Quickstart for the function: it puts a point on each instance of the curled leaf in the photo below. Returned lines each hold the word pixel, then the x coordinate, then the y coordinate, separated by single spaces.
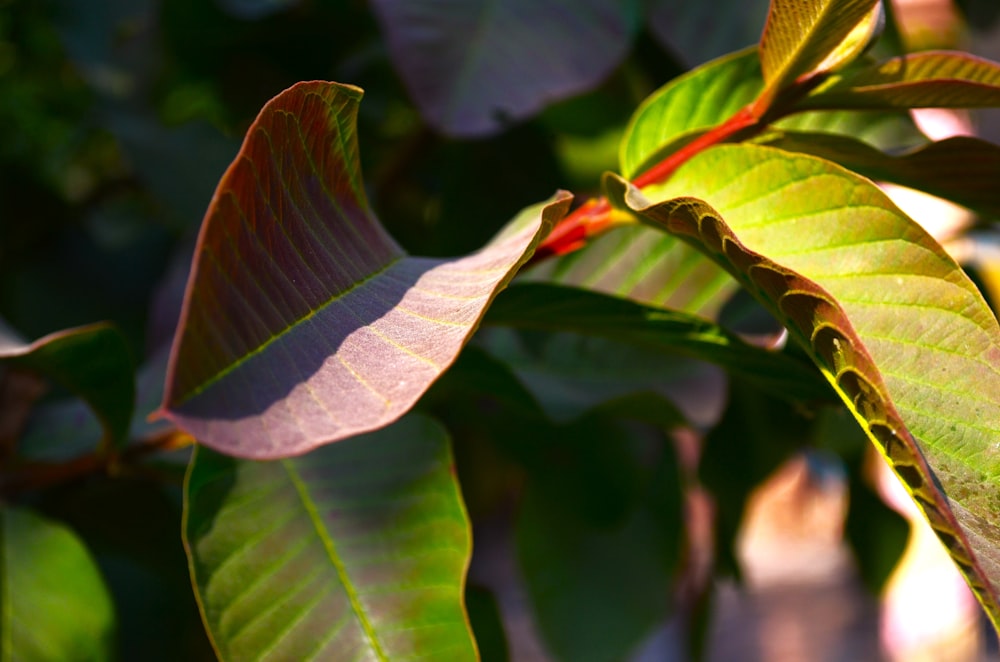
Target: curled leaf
pixel 304 323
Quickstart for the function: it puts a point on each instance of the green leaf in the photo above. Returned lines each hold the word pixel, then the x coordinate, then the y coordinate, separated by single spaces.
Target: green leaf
pixel 554 308
pixel 936 79
pixel 92 361
pixel 356 550
pixel 801 37
pixel 893 323
pixel 304 323
pixel 53 603
pixel 598 537
pixel 695 101
pixel 961 169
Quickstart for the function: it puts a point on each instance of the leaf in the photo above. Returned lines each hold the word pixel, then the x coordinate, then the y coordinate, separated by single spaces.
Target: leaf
pixel 961 169
pixel 53 603
pixel 474 66
pixel 800 37
pixel 694 33
pixel 356 550
pixel 697 100
pixel 304 323
pixel 935 79
pixel 92 361
pixel 599 535
pixel 892 322
pixel 553 308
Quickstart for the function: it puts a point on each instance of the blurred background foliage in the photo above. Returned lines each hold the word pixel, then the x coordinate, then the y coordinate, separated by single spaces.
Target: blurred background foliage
pixel 117 119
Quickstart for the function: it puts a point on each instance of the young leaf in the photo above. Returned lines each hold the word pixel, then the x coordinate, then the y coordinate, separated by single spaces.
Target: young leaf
pixel 474 66
pixel 895 325
pixel 801 37
pixel 937 79
pixel 961 169
pixel 553 308
pixel 355 551
pixel 304 323
pixel 54 604
pixel 91 361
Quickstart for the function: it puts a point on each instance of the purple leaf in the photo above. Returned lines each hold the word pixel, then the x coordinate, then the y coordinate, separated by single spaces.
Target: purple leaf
pixel 304 323
pixel 473 66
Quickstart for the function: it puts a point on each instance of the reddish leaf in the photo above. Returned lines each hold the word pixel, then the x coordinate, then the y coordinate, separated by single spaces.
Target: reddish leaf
pixel 304 322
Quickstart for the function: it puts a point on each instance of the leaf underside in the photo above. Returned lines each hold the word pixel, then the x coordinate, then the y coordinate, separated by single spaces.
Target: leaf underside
pixel 889 318
pixel 304 323
pixel 354 551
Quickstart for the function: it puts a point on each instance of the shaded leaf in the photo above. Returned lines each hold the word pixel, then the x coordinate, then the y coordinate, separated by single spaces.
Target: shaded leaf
pixel 304 322
pixel 895 325
pixel 961 169
pixel 598 538
pixel 693 31
pixel 474 66
pixel 356 550
pixel 92 361
pixel 53 602
pixel 800 37
pixel 935 79
pixel 554 308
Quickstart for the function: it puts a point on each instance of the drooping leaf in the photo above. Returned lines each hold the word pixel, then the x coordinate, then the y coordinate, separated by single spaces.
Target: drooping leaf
pixel 935 79
pixel 54 605
pixel 894 324
pixel 554 308
pixel 962 169
pixel 304 323
pixel 357 550
pixel 91 361
pixel 474 66
pixel 800 37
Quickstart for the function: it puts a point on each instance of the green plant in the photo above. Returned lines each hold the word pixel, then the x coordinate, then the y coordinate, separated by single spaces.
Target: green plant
pixel 310 339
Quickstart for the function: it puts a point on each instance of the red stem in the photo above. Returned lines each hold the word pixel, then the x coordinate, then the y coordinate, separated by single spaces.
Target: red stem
pixel 596 215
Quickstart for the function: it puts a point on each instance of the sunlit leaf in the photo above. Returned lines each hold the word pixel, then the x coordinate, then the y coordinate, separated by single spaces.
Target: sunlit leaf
pixel 54 606
pixel 961 169
pixel 304 322
pixel 699 99
pixel 894 324
pixel 91 361
pixel 800 37
pixel 475 66
pixel 552 308
pixel 936 79
pixel 357 550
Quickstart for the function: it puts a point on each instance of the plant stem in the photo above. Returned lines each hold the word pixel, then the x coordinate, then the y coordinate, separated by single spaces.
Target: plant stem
pixel 596 216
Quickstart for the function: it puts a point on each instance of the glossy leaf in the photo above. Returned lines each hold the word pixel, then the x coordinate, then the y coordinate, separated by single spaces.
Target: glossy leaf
pixel 800 37
pixel 894 324
pixel 936 79
pixel 961 169
pixel 54 605
pixel 551 308
pixel 304 323
pixel 355 551
pixel 91 361
pixel 475 66
pixel 697 100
